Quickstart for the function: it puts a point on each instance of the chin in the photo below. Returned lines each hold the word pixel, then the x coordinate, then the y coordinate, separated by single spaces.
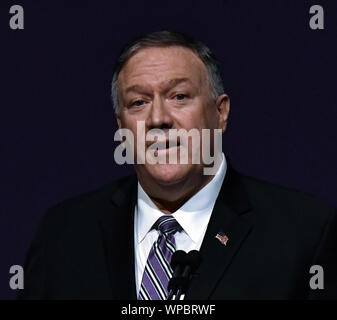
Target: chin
pixel 168 174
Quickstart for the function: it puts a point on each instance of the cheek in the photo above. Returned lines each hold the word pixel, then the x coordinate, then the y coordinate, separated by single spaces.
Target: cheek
pixel 138 133
pixel 128 123
pixel 190 118
pixel 196 121
pixel 211 118
pixel 199 115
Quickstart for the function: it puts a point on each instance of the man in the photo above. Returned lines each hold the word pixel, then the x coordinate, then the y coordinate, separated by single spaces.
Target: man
pixel 257 240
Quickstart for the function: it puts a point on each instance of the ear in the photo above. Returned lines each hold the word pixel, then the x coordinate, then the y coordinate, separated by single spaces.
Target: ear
pixel 223 105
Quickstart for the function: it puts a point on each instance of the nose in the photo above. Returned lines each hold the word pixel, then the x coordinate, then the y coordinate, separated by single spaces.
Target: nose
pixel 159 117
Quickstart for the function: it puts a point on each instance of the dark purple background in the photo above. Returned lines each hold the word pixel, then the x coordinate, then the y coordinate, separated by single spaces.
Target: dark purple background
pixel 56 117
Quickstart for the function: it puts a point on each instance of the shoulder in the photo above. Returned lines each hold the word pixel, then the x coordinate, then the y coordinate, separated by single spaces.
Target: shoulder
pixel 289 203
pixel 84 207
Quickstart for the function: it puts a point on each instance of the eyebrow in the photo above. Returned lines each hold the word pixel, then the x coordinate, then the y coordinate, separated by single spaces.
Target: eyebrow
pixel 173 82
pixel 169 84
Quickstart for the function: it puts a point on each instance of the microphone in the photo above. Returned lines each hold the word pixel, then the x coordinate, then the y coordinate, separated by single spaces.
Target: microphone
pixel 178 262
pixel 184 266
pixel 193 262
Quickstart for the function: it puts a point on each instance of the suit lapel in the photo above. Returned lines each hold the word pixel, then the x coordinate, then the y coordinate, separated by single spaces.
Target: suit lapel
pixel 117 228
pixel 231 215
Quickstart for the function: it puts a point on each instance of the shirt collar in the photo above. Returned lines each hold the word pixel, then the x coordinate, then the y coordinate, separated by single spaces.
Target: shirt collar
pixel 193 215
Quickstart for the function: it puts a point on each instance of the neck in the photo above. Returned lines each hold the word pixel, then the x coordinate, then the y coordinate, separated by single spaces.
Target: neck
pixel 168 206
pixel 169 198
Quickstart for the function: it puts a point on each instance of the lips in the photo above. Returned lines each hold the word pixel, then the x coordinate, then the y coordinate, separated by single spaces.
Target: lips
pixel 163 145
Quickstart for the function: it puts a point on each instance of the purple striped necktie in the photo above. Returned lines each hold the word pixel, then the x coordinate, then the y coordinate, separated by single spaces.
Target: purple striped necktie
pixel 158 271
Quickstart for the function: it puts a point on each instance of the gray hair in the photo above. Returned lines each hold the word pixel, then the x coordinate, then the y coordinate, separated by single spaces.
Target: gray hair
pixel 168 39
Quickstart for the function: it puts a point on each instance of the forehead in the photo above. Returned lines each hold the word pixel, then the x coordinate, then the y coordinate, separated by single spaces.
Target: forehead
pixel 159 64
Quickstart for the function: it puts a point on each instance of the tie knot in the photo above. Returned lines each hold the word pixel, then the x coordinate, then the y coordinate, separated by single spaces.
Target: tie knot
pixel 167 224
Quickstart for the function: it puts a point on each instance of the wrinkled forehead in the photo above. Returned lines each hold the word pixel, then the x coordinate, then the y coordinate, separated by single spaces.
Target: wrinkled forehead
pixel 159 64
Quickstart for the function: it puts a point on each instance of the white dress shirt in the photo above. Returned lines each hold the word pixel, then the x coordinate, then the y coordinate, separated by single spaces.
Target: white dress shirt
pixel 193 217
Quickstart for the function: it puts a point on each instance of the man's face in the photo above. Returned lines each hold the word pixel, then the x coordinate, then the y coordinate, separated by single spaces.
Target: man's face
pixel 168 88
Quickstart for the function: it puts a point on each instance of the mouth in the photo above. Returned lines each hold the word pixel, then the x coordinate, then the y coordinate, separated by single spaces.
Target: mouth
pixel 163 147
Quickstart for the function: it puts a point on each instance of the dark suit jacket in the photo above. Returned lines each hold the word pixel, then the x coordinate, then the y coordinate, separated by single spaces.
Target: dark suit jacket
pixel 84 246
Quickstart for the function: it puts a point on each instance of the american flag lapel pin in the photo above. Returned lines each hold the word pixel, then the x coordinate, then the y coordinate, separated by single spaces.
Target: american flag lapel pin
pixel 222 238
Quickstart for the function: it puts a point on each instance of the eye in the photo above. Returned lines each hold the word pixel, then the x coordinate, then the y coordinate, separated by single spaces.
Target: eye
pixel 181 96
pixel 138 103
